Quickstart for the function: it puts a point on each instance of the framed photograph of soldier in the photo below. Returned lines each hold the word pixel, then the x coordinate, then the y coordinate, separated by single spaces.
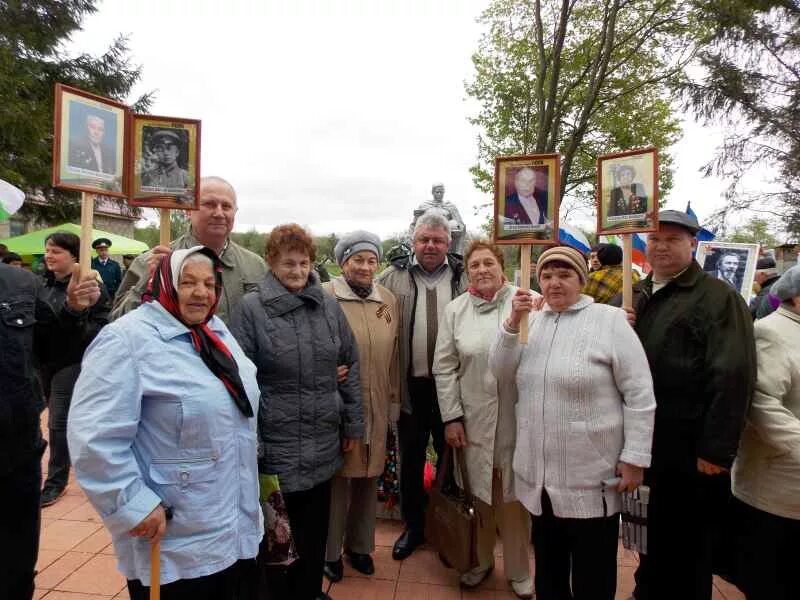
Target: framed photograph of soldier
pixel 89 143
pixel 526 198
pixel 627 192
pixel 164 162
pixel 733 263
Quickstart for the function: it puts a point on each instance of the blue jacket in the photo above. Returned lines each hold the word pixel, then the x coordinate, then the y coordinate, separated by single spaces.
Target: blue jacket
pixel 150 423
pixel 110 273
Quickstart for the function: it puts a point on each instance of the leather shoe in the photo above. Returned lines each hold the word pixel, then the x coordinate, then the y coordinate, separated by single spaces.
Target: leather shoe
pixel 361 563
pixel 50 495
pixel 407 543
pixel 334 570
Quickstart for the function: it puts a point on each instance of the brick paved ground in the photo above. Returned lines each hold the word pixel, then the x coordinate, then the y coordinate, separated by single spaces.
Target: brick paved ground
pixel 76 562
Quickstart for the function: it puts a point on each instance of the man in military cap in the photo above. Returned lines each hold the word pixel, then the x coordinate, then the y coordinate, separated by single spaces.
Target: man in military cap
pixel 90 153
pixel 167 175
pixel 109 269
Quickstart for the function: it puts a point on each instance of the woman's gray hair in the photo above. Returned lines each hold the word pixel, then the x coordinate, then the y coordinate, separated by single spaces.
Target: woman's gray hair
pixel 196 257
pixel 432 219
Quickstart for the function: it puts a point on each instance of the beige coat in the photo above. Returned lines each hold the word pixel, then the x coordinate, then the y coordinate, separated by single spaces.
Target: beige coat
pixel 766 473
pixel 467 389
pixel 374 321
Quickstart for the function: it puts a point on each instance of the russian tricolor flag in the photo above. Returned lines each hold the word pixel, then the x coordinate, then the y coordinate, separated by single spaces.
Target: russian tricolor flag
pixel 639 245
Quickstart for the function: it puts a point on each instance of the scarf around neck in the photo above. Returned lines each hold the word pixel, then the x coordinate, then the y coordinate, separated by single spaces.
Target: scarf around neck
pixel 214 353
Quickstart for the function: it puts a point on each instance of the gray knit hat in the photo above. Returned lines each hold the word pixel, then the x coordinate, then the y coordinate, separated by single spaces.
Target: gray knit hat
pixel 355 242
pixel 788 286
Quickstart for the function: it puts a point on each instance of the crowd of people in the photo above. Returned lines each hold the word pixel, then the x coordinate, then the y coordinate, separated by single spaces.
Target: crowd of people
pixel 216 371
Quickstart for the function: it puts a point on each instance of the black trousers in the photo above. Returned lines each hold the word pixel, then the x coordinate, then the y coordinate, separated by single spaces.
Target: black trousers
pixel 583 551
pixel 682 522
pixel 237 582
pixel 414 430
pixel 19 529
pixel 768 550
pixel 309 513
pixel 61 387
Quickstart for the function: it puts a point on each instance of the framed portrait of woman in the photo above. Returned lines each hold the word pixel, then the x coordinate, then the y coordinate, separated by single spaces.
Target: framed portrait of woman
pixel 526 198
pixel 164 165
pixel 627 192
pixel 89 143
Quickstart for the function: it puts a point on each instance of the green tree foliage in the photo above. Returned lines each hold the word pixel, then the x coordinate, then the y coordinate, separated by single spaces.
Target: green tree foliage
pixel 32 61
pixel 579 77
pixel 253 240
pixel 755 231
pixel 750 82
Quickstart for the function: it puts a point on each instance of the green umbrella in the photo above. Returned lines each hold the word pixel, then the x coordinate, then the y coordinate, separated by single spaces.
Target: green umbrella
pixel 33 243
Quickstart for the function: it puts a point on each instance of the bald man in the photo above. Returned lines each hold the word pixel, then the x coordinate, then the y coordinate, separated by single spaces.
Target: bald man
pixel 211 226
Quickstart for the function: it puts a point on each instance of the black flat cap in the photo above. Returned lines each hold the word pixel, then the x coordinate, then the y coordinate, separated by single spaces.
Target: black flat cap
pixel 101 242
pixel 676 217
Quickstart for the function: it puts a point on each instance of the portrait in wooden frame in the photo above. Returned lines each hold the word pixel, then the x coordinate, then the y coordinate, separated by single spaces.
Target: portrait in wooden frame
pixel 627 192
pixel 526 199
pixel 730 262
pixel 89 143
pixel 164 162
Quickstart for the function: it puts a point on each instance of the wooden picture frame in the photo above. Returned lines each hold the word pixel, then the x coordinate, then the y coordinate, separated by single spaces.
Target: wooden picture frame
pixel 526 199
pixel 89 143
pixel 717 258
pixel 164 162
pixel 627 192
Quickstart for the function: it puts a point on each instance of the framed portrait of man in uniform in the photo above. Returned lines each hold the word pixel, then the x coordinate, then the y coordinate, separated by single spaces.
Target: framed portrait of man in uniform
pixel 526 198
pixel 89 143
pixel 731 263
pixel 627 192
pixel 164 161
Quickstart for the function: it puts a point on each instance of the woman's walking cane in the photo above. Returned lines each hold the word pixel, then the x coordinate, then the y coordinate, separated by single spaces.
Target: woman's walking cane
pixel 155 570
pixel 155 562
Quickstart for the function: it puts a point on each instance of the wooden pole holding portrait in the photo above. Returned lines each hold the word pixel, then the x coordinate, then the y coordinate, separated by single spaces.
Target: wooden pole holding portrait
pixel 627 203
pixel 526 200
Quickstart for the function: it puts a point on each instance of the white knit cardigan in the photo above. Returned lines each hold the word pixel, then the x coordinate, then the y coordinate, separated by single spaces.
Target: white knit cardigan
pixel 585 403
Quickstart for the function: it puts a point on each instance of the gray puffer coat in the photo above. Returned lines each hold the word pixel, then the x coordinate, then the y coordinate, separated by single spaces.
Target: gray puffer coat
pixel 297 341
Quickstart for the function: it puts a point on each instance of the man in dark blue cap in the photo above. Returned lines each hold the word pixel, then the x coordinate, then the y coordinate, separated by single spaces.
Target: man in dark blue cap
pixel 167 175
pixel 109 269
pixel 698 336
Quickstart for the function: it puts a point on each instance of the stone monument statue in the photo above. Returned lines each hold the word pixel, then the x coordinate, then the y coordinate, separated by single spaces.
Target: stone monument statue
pixel 449 212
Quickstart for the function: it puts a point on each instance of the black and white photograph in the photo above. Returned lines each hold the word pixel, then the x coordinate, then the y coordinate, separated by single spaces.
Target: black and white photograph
pixel 165 161
pixel 731 263
pixel 89 152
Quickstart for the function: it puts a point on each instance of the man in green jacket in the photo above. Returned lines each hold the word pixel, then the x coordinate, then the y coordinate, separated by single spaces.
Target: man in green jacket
pixel 698 336
pixel 211 225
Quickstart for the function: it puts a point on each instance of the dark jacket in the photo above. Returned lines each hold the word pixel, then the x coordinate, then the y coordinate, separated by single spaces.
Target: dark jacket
pixel 110 273
pixel 698 336
pixel 399 279
pixel 297 341
pixel 24 307
pixel 54 348
pixel 515 210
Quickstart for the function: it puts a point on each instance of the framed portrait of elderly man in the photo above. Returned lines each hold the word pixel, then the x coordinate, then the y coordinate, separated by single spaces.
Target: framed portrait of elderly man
pixel 164 161
pixel 89 143
pixel 526 198
pixel 627 192
pixel 732 263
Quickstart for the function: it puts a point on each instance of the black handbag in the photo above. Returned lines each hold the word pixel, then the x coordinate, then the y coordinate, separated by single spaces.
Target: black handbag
pixel 451 523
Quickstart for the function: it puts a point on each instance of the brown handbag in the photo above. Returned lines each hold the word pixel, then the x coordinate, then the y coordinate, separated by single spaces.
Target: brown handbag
pixel 451 522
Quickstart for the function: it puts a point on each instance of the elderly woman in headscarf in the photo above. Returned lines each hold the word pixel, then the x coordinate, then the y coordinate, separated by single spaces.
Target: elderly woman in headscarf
pixel 584 418
pixel 163 426
pixel 298 336
pixel 371 312
pixel 766 474
pixel 478 413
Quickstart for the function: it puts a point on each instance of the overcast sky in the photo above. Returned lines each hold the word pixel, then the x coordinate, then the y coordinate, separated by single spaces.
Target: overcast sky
pixel 336 114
